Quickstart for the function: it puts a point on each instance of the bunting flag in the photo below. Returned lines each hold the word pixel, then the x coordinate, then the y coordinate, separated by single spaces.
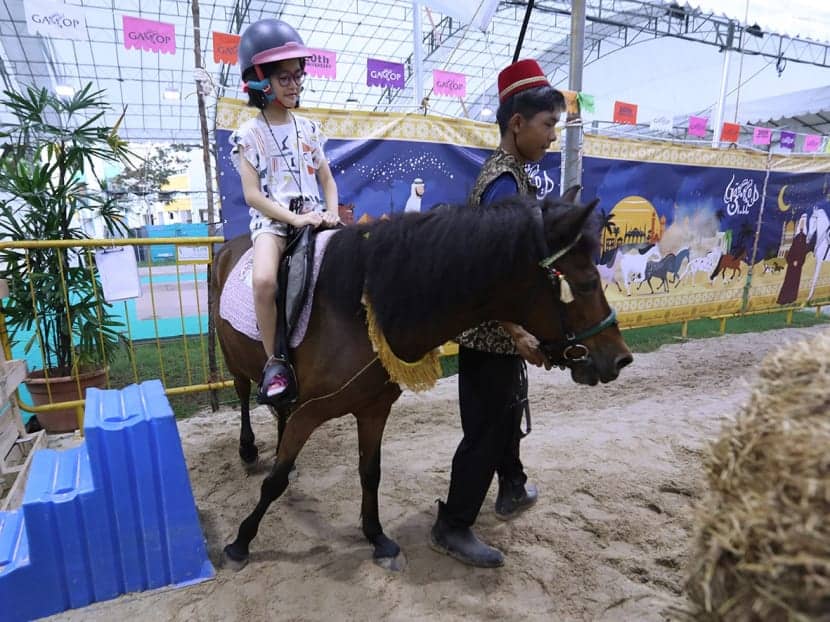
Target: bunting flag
pixel 586 102
pixel 787 140
pixel 571 104
pixel 50 19
pixel 625 113
pixel 383 73
pixel 661 124
pixel 449 83
pixel 730 132
pixel 148 35
pixel 321 64
pixel 225 48
pixel 761 136
pixel 812 142
pixel 697 126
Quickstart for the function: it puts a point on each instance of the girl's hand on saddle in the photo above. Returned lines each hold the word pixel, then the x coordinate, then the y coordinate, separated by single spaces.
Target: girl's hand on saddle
pixel 314 219
pixel 330 219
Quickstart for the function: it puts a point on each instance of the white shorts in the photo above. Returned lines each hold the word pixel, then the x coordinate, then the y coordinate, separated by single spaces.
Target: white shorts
pixel 263 224
pixel 260 223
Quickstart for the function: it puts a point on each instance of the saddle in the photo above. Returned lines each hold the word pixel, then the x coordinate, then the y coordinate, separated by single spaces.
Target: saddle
pixel 294 279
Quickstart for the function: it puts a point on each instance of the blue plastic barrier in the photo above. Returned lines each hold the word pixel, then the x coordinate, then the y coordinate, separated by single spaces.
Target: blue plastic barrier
pixel 110 516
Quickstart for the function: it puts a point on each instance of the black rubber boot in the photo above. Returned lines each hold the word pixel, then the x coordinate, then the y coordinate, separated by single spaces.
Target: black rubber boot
pixel 277 367
pixel 462 544
pixel 514 498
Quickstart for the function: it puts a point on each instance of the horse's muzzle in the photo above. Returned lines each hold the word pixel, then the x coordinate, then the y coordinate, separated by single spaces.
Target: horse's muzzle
pixel 585 367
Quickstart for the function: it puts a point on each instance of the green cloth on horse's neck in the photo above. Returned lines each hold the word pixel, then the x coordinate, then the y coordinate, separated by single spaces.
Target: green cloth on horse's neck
pixel 497 164
pixel 490 336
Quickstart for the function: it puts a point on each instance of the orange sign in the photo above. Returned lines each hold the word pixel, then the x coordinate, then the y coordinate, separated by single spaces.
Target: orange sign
pixel 730 132
pixel 625 113
pixel 225 47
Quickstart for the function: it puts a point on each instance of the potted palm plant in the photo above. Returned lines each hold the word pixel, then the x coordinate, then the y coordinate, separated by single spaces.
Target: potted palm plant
pixel 50 148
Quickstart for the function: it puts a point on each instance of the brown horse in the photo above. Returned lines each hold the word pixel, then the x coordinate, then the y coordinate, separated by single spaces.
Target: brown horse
pixel 428 276
pixel 729 262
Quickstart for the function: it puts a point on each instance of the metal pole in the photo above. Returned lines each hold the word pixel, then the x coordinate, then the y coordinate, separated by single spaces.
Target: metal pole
pixel 522 31
pixel 724 79
pixel 572 152
pixel 200 98
pixel 418 54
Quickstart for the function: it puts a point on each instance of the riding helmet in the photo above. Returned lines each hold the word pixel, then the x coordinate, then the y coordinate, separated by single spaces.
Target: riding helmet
pixel 269 41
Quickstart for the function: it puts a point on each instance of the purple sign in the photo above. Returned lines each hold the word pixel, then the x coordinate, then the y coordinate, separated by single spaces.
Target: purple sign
pixel 384 73
pixel 787 140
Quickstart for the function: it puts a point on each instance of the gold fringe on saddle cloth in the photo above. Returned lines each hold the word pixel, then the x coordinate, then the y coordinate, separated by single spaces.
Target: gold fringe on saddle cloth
pixel 418 376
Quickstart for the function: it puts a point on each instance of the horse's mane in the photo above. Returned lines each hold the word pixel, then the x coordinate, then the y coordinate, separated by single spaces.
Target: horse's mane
pixel 415 267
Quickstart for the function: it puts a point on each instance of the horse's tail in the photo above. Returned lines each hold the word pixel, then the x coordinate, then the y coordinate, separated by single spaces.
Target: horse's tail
pixel 717 267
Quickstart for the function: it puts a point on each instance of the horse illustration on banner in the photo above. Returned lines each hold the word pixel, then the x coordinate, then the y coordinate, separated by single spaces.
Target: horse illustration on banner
pixel 818 234
pixel 608 271
pixel 705 264
pixel 729 262
pixel 634 266
pixel 664 268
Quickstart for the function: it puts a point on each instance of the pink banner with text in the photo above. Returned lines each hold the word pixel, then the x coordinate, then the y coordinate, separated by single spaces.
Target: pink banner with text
pixel 449 83
pixel 149 35
pixel 761 136
pixel 321 64
pixel 812 142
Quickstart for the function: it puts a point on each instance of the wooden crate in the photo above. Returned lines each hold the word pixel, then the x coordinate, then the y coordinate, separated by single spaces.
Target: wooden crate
pixel 16 446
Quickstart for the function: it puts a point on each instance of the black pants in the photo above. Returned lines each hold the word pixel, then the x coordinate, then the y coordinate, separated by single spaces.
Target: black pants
pixel 489 389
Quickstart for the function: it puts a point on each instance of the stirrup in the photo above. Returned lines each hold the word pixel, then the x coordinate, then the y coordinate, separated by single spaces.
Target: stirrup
pixel 278 386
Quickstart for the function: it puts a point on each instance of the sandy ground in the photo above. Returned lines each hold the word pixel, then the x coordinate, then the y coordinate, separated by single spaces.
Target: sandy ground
pixel 618 468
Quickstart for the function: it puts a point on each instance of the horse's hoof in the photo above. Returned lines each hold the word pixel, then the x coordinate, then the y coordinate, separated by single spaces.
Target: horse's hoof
pixel 249 455
pixel 393 564
pixel 234 560
pixel 385 548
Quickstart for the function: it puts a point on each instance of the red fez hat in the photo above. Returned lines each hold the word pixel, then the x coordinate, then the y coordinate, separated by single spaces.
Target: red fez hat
pixel 522 75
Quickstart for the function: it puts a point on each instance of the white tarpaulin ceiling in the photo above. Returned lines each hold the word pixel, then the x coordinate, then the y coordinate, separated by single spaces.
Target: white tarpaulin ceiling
pixel 797 18
pixel 159 88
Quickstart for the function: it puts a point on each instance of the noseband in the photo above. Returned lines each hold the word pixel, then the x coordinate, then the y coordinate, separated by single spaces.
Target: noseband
pixel 569 351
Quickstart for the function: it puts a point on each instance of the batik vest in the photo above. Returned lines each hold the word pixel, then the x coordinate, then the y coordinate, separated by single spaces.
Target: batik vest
pixel 490 336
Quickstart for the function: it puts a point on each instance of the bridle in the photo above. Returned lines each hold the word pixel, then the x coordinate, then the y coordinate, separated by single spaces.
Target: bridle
pixel 569 351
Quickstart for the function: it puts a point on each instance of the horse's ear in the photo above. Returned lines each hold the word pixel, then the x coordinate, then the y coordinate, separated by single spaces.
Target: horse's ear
pixel 569 196
pixel 573 220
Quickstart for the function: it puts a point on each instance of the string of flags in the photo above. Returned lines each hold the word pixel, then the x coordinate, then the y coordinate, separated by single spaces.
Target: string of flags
pixel 68 22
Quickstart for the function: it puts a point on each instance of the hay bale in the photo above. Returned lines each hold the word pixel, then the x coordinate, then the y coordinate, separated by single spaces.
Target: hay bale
pixel 762 549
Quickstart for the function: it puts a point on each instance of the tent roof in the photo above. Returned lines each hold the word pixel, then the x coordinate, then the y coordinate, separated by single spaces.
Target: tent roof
pixel 805 111
pixel 355 29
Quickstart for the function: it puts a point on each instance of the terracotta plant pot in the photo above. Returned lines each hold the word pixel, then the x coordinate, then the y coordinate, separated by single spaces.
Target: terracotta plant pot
pixel 63 389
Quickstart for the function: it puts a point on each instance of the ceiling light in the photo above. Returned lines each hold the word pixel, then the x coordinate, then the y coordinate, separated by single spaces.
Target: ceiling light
pixel 171 94
pixel 65 90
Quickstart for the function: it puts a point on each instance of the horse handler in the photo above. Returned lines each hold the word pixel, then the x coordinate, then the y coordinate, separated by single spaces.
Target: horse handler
pixel 492 380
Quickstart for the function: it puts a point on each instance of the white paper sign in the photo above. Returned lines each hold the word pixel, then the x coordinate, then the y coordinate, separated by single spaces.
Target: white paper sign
pixel 193 254
pixel 55 19
pixel 119 273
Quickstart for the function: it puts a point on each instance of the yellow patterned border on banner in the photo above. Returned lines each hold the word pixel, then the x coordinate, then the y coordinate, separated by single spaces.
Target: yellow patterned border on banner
pixel 358 124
